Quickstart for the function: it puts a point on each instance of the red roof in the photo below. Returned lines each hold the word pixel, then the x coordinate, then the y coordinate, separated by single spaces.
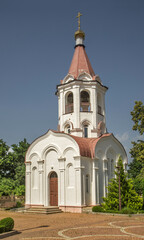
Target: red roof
pixel 80 63
pixel 86 145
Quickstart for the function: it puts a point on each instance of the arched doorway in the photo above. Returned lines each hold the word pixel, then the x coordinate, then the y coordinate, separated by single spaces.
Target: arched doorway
pixel 53 189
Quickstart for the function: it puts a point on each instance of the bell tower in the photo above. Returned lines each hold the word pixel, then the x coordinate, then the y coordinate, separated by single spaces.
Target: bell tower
pixel 81 95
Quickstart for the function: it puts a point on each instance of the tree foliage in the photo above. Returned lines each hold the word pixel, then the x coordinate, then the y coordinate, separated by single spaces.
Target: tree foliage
pixel 6 162
pixel 129 197
pixel 137 152
pixel 19 152
pixel 138 117
pixel 7 186
pixel 12 168
pixel 136 167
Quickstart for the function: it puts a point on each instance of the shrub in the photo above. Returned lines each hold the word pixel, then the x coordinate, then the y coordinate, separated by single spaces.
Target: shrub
pixel 141 211
pixel 2 228
pixel 112 211
pixel 18 204
pixel 127 211
pixel 20 190
pixel 97 209
pixel 129 198
pixel 8 223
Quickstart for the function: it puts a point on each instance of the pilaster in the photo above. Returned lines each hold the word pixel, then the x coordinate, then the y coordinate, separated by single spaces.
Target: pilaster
pixel 28 183
pixel 62 181
pixel 78 181
pixel 105 176
pixel 95 186
pixel 93 105
pixel 76 92
pixel 41 180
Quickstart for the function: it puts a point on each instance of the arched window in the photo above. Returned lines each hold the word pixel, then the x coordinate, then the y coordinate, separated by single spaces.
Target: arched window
pixel 87 183
pixel 69 103
pixel 53 175
pixel 84 101
pixel 85 131
pixel 67 129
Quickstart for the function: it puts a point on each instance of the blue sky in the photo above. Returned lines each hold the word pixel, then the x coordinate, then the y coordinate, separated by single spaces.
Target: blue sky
pixel 36 49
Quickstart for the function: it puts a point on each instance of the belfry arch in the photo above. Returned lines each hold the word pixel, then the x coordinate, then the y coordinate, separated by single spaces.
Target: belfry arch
pixel 84 101
pixel 69 102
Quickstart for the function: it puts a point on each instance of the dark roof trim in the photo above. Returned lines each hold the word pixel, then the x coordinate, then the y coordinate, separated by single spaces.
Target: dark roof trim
pixel 77 80
pixel 81 45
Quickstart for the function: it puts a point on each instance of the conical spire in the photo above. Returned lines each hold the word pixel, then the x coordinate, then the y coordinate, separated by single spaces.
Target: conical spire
pixel 80 62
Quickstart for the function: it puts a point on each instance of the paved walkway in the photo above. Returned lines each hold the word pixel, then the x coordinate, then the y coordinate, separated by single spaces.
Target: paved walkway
pixel 68 226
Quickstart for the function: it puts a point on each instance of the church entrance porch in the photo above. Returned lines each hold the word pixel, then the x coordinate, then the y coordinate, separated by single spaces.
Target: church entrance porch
pixel 53 189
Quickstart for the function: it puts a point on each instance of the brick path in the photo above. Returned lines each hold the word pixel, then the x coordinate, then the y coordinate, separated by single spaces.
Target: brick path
pixel 68 226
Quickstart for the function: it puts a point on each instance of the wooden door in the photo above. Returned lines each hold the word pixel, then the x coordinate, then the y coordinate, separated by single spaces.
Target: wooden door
pixel 53 189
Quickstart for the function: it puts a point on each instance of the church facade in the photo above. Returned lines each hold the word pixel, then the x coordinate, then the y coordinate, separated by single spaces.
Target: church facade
pixel 71 167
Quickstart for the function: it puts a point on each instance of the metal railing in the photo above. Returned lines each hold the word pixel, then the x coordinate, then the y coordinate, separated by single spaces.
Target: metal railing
pixel 85 107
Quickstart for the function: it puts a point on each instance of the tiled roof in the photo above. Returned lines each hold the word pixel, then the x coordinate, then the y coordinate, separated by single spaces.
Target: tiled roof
pixel 86 145
pixel 80 63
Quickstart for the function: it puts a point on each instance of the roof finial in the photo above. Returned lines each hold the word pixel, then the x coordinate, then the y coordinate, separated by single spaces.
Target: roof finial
pixel 78 16
pixel 79 35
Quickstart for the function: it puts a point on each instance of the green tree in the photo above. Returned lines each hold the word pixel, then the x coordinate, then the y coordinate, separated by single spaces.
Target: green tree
pixel 12 168
pixel 18 153
pixel 138 117
pixel 7 186
pixel 129 197
pixel 6 161
pixel 136 167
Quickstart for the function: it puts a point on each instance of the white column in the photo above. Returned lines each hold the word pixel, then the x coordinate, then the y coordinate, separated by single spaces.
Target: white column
pixel 93 105
pixel 41 181
pixel 76 93
pixel 78 186
pixel 104 107
pixel 28 183
pixel 96 92
pixel 95 186
pixel 105 176
pixel 61 191
pixel 78 181
pixel 61 108
pixel 84 191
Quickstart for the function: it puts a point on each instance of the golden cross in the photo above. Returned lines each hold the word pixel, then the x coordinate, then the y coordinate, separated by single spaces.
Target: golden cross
pixel 78 16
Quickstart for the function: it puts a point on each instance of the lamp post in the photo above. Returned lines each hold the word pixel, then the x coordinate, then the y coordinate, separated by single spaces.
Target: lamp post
pixel 118 167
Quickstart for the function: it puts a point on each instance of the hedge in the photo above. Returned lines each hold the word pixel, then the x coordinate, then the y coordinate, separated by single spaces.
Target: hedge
pixel 6 224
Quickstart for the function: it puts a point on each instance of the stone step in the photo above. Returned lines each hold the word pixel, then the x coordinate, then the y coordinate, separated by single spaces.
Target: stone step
pixel 38 212
pixel 35 210
pixel 43 210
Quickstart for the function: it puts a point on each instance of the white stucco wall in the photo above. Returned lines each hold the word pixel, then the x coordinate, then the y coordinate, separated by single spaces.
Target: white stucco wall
pixel 77 117
pixel 58 153
pixel 108 149
pixel 81 181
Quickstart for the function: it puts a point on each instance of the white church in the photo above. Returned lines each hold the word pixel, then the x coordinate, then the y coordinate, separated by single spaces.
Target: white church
pixel 71 167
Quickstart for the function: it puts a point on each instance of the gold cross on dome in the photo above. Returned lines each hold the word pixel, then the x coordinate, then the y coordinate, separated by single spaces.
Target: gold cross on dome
pixel 78 16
